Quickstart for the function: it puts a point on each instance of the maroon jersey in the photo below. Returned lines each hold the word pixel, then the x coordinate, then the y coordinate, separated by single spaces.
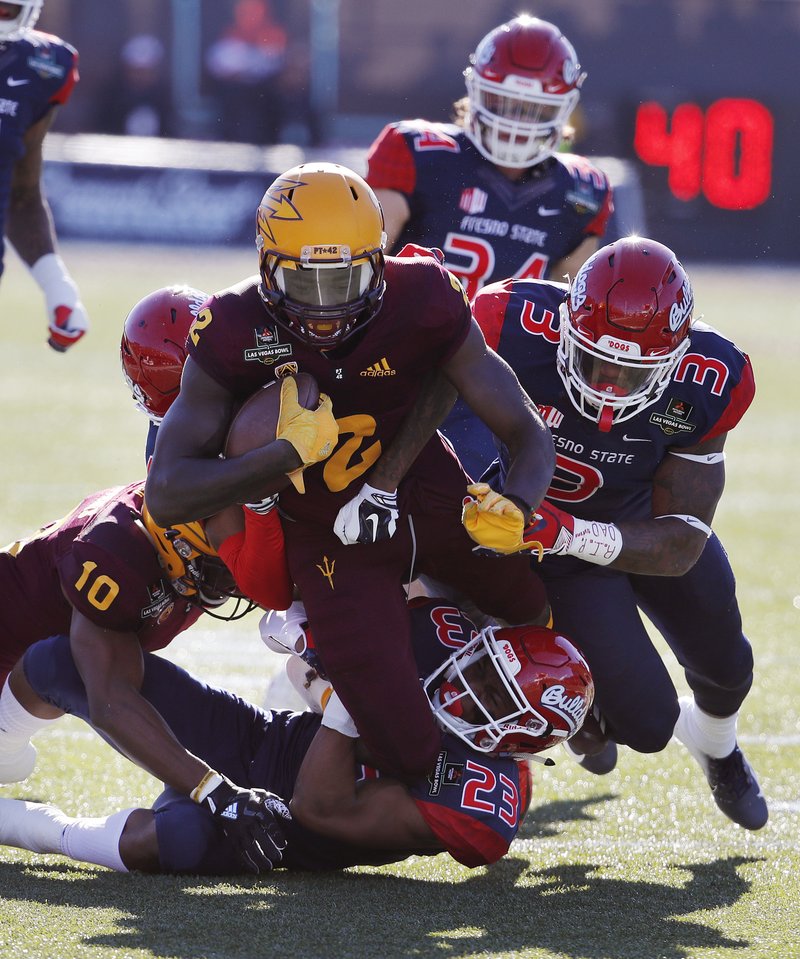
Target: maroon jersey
pixel 373 379
pixel 98 560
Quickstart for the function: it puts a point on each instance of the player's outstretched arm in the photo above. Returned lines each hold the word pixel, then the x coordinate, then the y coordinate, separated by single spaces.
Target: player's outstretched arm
pixel 111 665
pixel 489 385
pixel 686 489
pixel 379 813
pixel 187 479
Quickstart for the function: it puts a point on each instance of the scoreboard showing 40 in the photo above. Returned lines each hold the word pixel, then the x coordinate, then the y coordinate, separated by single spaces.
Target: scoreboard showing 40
pixel 723 153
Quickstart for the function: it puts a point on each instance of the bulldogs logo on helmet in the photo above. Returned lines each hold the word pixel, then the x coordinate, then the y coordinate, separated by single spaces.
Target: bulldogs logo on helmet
pixel 536 679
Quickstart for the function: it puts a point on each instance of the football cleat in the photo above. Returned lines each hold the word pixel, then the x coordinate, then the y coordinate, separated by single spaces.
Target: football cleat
pixel 591 748
pixel 733 783
pixel 18 765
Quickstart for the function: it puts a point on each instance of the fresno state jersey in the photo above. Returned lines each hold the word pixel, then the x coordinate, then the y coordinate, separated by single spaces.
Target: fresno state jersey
pixel 473 802
pixel 488 226
pixel 97 560
pixel 373 379
pixel 37 72
pixel 598 475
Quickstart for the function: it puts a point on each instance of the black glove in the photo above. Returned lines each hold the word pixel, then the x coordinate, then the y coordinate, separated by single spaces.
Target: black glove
pixel 250 819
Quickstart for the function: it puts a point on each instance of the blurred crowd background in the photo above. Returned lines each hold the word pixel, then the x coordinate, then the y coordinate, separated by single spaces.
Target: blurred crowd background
pixel 327 74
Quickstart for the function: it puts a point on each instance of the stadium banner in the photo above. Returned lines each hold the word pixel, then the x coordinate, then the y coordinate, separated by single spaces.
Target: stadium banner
pixel 138 189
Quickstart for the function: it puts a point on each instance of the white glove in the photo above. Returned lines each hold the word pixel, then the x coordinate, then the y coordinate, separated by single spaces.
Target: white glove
pixel 308 684
pixel 68 317
pixel 263 506
pixel 337 717
pixel 284 630
pixel 368 517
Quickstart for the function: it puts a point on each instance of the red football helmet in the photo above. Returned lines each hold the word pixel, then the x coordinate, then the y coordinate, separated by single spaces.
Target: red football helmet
pixel 512 691
pixel 153 348
pixel 523 84
pixel 624 328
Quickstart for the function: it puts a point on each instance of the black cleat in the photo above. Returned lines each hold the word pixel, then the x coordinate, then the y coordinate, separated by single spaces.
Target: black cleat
pixel 591 748
pixel 599 763
pixel 733 783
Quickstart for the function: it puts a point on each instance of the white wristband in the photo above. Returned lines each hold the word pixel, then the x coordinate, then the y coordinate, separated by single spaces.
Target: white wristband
pixel 692 521
pixel 595 542
pixel 337 717
pixel 207 785
pixel 51 274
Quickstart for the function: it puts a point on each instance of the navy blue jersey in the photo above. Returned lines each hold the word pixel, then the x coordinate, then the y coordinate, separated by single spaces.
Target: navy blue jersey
pixel 472 802
pixel 37 73
pixel 604 476
pixel 488 226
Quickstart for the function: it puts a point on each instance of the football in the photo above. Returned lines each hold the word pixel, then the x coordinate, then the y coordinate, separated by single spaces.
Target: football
pixel 256 422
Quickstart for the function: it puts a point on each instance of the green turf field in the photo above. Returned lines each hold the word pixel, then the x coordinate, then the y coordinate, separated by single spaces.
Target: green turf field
pixel 636 864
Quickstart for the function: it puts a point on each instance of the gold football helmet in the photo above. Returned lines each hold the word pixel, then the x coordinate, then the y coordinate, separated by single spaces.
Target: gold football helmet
pixel 193 565
pixel 320 240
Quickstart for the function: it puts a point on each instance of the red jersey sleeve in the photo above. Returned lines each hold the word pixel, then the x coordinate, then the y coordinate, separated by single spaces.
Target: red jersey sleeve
pixel 390 164
pixel 257 559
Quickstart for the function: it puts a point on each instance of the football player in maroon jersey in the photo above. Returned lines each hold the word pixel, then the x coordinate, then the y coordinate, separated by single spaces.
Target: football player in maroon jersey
pixel 113 583
pixel 640 398
pixel 372 330
pixel 501 696
pixel 38 72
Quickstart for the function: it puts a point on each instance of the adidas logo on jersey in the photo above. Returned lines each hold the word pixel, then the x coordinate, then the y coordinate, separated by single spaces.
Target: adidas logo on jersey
pixel 381 368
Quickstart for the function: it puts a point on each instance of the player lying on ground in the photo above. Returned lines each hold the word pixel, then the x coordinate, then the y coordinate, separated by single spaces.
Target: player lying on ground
pixel 501 696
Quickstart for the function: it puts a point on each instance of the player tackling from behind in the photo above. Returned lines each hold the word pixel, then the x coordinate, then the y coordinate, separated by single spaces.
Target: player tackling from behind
pixel 640 397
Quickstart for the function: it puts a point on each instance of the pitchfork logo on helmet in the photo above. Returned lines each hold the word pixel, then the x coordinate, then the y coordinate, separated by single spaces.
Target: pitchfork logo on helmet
pixel 512 691
pixel 523 83
pixel 193 565
pixel 320 240
pixel 277 205
pixel 625 326
pixel 15 27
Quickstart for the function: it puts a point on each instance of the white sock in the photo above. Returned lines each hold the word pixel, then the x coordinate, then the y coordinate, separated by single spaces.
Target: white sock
pixel 33 826
pixel 713 735
pixel 17 725
pixel 96 840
